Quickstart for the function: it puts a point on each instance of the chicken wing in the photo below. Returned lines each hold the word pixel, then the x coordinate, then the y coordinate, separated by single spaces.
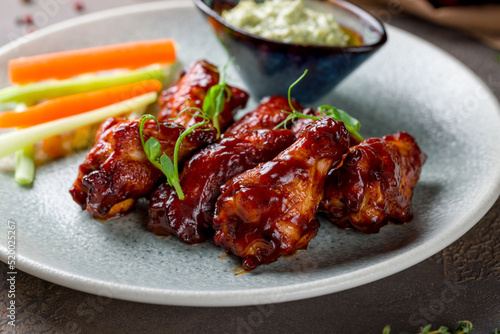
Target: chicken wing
pixel 375 184
pixel 241 148
pixel 116 171
pixel 268 114
pixel 268 211
pixel 190 219
pixel 190 91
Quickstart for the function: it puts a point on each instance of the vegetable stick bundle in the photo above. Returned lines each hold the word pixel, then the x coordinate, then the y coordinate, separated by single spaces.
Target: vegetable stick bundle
pixel 59 97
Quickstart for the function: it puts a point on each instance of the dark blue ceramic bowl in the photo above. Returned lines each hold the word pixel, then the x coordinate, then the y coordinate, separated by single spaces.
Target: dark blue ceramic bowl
pixel 268 67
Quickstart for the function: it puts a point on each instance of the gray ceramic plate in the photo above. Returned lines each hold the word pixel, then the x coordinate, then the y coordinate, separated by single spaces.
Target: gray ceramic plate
pixel 409 85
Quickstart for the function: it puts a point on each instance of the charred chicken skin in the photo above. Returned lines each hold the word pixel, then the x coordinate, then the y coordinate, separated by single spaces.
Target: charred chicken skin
pixel 268 211
pixel 190 219
pixel 242 147
pixel 190 91
pixel 116 171
pixel 375 184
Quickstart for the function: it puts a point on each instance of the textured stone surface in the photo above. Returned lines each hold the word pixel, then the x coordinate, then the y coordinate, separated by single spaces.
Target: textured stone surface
pixel 477 254
pixel 460 284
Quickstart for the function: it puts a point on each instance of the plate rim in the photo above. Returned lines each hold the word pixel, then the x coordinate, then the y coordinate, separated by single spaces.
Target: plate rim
pixel 244 297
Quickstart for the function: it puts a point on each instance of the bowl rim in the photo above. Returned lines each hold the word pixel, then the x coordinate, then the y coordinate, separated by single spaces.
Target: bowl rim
pixel 350 7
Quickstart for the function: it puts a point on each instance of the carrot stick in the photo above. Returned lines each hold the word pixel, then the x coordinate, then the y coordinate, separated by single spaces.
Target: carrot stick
pixel 53 147
pixel 66 64
pixel 76 104
pixel 15 140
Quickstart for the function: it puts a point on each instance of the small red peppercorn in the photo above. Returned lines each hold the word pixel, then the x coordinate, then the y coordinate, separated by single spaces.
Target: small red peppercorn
pixel 28 19
pixel 79 6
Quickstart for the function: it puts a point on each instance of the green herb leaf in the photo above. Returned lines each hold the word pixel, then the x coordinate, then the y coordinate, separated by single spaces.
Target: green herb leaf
pixel 464 327
pixel 351 123
pixel 208 102
pixel 167 167
pixel 153 149
pixel 426 329
pixel 443 330
pixel 217 95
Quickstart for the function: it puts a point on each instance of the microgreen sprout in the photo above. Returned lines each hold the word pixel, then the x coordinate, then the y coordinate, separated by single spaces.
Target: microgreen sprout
pixel 351 123
pixel 464 327
pixel 152 148
pixel 294 115
pixel 217 95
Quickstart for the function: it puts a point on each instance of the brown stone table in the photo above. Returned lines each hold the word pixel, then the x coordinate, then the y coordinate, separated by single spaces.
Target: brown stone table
pixel 461 282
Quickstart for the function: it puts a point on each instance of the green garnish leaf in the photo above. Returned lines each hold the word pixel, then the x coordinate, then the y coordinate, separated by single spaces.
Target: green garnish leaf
pixel 217 95
pixel 464 327
pixel 209 101
pixel 167 167
pixel 443 330
pixel 426 329
pixel 351 123
pixel 153 149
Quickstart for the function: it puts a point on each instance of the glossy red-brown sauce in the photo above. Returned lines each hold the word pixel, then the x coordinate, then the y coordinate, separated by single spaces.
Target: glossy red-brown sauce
pixel 374 186
pixel 244 145
pixel 190 91
pixel 116 171
pixel 268 211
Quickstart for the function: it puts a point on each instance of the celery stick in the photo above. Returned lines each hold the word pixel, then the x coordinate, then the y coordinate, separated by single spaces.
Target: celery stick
pixel 24 160
pixel 8 106
pixel 33 93
pixel 25 166
pixel 15 140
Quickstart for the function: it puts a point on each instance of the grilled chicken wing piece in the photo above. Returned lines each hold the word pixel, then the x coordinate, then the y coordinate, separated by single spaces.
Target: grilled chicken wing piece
pixel 190 219
pixel 375 184
pixel 268 114
pixel 268 211
pixel 190 91
pixel 116 171
pixel 242 148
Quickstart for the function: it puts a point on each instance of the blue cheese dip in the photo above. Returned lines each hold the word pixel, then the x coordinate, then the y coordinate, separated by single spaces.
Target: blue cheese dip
pixel 289 21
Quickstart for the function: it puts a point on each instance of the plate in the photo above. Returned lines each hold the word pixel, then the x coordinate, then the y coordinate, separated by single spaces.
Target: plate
pixel 409 85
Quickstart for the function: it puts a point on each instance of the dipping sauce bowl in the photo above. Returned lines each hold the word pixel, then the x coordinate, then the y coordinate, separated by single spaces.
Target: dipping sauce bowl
pixel 269 67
